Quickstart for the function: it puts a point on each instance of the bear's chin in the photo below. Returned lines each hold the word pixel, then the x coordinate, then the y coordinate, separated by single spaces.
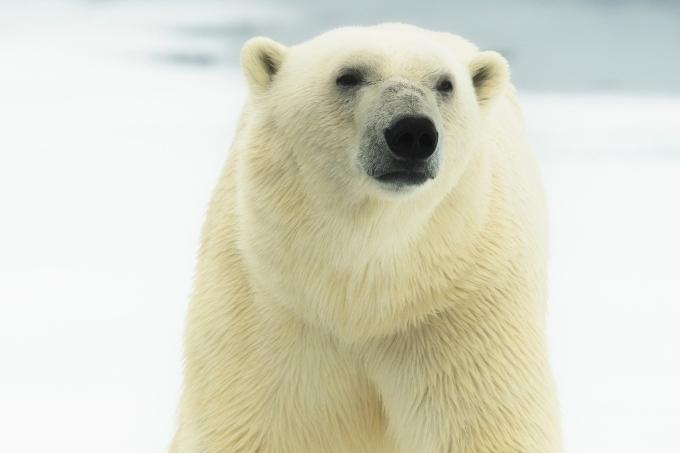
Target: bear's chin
pixel 401 184
pixel 403 178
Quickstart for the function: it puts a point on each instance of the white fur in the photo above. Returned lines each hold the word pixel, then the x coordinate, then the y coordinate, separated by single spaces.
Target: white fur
pixel 333 315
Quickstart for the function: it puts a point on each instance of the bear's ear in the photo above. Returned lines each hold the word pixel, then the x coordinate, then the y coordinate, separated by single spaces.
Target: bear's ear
pixel 261 59
pixel 490 75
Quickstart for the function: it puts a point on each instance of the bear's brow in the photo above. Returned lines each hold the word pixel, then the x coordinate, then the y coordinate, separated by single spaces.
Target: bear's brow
pixel 437 74
pixel 367 65
pixel 358 68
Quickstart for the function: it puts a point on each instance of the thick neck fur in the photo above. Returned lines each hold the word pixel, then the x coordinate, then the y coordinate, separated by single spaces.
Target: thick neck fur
pixel 355 268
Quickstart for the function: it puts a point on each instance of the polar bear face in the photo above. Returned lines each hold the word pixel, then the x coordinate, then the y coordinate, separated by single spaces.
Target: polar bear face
pixel 383 112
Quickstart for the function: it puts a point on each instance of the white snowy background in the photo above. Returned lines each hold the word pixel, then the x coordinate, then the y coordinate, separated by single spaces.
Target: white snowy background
pixel 115 120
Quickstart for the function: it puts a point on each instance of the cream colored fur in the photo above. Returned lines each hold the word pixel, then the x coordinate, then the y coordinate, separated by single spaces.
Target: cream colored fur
pixel 333 316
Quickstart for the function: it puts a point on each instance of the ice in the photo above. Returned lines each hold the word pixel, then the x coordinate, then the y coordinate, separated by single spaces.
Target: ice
pixel 108 154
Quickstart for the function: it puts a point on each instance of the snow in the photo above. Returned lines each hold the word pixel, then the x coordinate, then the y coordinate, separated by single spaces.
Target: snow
pixel 109 151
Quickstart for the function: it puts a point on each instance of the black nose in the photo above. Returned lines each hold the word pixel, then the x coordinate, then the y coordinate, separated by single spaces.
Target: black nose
pixel 412 138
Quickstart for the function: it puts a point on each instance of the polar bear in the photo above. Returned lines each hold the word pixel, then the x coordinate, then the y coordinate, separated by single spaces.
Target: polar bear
pixel 372 275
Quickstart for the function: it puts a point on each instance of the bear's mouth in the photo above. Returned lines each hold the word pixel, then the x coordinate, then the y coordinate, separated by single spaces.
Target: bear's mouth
pixel 404 177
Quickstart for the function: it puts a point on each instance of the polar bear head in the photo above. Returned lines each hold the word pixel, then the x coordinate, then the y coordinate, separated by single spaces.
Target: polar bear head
pixel 387 112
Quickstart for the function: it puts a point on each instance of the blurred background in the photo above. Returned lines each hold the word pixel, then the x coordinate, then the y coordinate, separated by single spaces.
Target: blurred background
pixel 115 120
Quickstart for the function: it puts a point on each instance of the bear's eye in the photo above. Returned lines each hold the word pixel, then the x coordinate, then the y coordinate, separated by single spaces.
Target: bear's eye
pixel 349 79
pixel 445 86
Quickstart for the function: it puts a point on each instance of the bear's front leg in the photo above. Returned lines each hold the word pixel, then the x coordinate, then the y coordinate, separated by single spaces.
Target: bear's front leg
pixel 464 385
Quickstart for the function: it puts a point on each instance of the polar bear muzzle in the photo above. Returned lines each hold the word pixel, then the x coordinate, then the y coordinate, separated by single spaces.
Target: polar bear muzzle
pixel 400 141
pixel 411 140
